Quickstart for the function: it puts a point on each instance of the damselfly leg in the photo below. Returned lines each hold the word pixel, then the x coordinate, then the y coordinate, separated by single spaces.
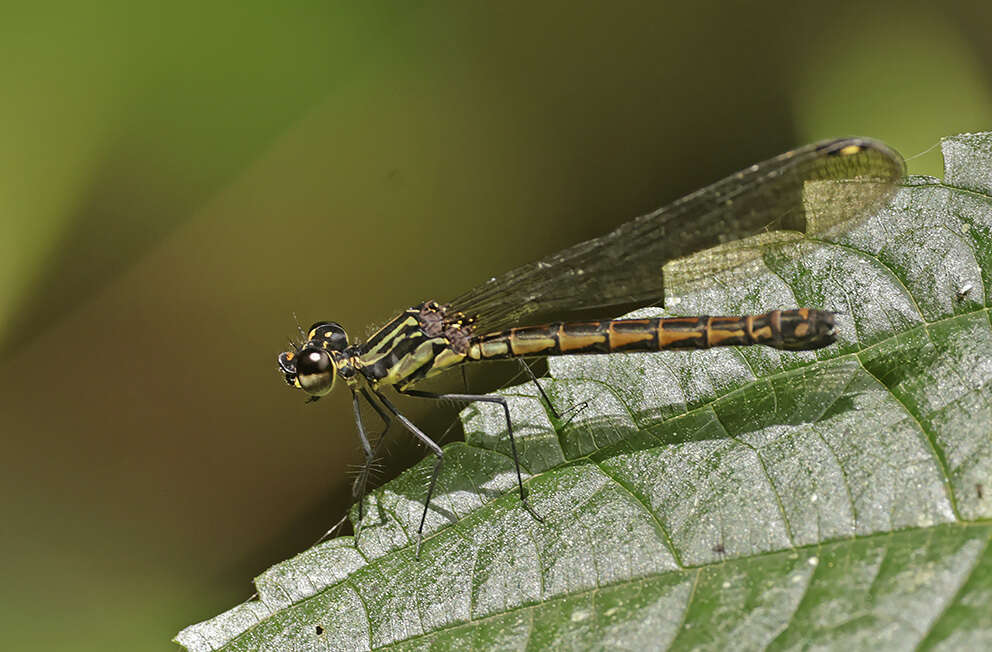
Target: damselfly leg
pixel 371 452
pixel 469 398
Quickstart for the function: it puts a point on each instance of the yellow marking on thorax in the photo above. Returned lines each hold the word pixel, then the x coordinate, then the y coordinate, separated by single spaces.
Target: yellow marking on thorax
pixel 444 361
pixel 391 339
pixel 409 363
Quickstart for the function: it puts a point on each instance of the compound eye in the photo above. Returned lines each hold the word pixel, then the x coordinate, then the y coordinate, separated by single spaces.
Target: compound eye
pixel 314 371
pixel 329 335
pixel 287 365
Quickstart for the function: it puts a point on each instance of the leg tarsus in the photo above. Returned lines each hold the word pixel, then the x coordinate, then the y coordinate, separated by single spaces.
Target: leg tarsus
pixel 427 501
pixel 574 410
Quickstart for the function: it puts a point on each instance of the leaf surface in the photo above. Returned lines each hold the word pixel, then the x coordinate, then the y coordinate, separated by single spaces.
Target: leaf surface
pixel 743 498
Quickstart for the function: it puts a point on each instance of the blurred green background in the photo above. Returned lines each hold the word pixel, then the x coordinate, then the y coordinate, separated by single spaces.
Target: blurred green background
pixel 179 179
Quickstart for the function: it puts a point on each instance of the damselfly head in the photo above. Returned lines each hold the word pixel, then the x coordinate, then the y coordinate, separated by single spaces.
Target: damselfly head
pixel 311 367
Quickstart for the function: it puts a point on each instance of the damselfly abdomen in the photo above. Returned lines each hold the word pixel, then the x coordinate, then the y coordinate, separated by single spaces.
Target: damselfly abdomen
pixel 526 311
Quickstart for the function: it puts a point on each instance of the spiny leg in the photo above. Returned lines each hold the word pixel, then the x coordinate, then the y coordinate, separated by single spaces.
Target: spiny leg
pixel 434 448
pixel 358 490
pixel 485 398
pixel 359 487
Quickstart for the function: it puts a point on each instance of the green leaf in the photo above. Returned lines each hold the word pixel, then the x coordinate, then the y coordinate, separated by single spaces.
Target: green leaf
pixel 740 498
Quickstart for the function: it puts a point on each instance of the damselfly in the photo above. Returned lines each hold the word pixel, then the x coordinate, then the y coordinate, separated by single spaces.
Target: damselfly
pixel 511 316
